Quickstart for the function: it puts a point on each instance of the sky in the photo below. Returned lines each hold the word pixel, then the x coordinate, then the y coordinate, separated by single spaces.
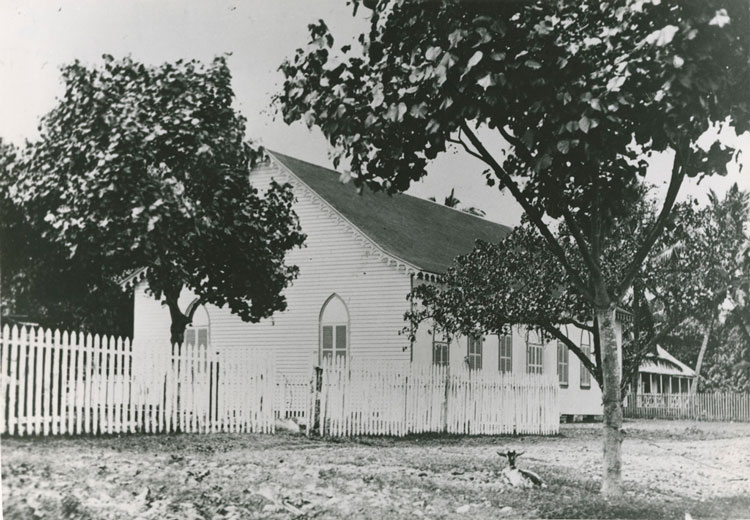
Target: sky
pixel 38 37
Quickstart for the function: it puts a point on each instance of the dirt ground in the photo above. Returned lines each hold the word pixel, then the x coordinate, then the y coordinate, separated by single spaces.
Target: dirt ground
pixel 669 467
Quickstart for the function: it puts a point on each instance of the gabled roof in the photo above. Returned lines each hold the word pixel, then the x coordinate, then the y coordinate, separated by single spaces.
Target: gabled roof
pixel 423 233
pixel 665 363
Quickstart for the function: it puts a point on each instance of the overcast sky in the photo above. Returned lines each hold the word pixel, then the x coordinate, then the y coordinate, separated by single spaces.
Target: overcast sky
pixel 37 37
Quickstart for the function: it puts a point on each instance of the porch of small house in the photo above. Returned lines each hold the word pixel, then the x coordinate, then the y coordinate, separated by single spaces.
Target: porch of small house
pixel 663 382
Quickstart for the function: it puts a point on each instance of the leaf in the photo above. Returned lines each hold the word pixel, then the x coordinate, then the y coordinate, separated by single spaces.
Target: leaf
pixel 377 98
pixel 432 53
pixel 584 124
pixel 487 81
pixel 419 111
pixel 401 111
pixel 533 64
pixel 662 37
pixel 476 58
pixel 563 146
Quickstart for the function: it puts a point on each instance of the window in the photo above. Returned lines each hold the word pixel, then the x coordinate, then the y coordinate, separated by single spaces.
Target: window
pixel 586 348
pixel 474 352
pixel 534 353
pixel 562 363
pixel 334 328
pixel 440 351
pixel 505 354
pixel 197 332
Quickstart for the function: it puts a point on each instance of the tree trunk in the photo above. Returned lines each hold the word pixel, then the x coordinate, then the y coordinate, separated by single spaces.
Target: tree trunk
pixel 612 398
pixel 179 320
pixel 704 347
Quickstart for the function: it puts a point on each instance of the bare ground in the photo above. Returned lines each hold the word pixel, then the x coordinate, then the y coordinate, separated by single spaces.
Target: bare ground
pixel 670 467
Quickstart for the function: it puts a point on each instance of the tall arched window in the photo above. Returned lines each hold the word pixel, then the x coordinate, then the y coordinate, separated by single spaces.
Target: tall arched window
pixel 197 333
pixel 534 353
pixel 334 328
pixel 562 360
pixel 586 348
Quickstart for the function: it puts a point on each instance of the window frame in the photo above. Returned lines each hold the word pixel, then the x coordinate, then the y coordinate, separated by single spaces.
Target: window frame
pixel 335 325
pixel 474 359
pixel 563 364
pixel 502 360
pixel 191 329
pixel 534 354
pixel 585 375
pixel 440 346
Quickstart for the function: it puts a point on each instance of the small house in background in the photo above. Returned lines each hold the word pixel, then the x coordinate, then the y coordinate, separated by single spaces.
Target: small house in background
pixel 362 256
pixel 662 374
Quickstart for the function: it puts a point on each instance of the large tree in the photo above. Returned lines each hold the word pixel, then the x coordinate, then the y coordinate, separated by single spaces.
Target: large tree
pixel 147 166
pixel 579 93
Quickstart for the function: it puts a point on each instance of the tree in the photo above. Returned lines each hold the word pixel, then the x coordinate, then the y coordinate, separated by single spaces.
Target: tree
pixel 148 167
pixel 579 92
pixel 518 282
pixel 708 247
pixel 39 282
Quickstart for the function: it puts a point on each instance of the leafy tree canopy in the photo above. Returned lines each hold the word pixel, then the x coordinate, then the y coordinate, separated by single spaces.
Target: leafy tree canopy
pixel 518 281
pixel 141 166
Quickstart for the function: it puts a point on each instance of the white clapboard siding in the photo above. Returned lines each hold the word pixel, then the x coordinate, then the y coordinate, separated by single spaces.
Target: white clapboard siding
pixel 63 383
pixel 376 398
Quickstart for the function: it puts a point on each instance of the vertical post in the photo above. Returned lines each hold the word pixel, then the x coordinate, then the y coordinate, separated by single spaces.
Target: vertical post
pixel 5 357
pixel 35 363
pixel 23 377
pixel 446 397
pixel 14 389
pixel 50 385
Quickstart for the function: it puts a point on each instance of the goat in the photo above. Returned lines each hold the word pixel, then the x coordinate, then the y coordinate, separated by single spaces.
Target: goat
pixel 519 477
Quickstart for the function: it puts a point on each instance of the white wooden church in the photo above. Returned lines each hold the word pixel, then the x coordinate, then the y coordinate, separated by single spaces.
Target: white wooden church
pixel 362 256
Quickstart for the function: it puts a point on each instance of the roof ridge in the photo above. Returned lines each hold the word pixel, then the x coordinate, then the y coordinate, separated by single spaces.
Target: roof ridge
pixel 400 193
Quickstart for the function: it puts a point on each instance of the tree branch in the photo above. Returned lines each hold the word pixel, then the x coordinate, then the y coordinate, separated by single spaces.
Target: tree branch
pixel 575 349
pixel 531 212
pixel 581 242
pixel 582 326
pixel 468 150
pixel 675 182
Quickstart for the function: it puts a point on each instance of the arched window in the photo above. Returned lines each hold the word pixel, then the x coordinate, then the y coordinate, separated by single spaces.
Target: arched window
pixel 563 360
pixel 586 348
pixel 534 353
pixel 334 329
pixel 198 332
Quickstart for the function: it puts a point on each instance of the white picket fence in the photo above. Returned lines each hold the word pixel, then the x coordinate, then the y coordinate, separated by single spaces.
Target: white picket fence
pixel 61 383
pixel 54 383
pixel 372 398
pixel 708 406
